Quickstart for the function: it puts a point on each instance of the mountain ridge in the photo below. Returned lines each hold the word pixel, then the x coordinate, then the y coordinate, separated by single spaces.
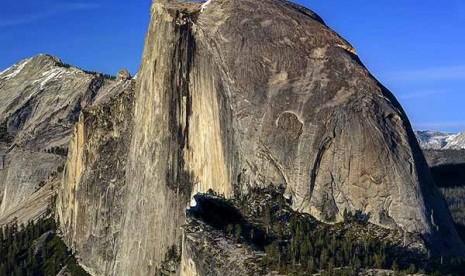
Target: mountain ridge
pixel 437 140
pixel 41 98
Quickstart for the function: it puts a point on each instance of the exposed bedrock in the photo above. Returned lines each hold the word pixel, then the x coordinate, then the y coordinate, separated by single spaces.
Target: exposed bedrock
pixel 40 101
pixel 232 98
pixel 251 93
pixel 89 205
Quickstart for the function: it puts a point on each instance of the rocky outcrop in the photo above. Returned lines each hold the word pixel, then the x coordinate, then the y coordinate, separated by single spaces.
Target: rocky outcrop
pixel 89 205
pixel 230 99
pixel 124 74
pixel 40 101
pixel 207 252
pixel 301 110
pixel 234 237
pixel 218 108
pixel 159 183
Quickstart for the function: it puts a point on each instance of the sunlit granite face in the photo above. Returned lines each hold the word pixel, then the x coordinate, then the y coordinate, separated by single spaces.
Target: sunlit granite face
pixel 229 99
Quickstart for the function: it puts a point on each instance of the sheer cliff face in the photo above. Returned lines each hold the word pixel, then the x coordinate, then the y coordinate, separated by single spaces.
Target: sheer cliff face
pixel 89 204
pixel 231 98
pixel 246 94
pixel 159 182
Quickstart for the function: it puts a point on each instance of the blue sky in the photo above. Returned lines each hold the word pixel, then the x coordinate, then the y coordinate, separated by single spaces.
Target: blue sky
pixel 415 47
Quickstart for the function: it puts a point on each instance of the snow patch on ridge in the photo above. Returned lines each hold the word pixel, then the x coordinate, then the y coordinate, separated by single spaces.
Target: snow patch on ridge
pixel 440 140
pixel 14 70
pixel 205 5
pixel 456 141
pixel 54 73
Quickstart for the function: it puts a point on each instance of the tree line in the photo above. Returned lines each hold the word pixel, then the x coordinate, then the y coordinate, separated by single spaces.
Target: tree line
pixel 34 249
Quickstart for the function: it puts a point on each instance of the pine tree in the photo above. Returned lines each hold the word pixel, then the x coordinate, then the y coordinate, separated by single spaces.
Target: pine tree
pixel 229 229
pixel 395 266
pixel 412 269
pixel 238 232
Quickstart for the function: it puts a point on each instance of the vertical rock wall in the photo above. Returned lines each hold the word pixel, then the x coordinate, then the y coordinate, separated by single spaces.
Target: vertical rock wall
pixel 159 181
pixel 89 204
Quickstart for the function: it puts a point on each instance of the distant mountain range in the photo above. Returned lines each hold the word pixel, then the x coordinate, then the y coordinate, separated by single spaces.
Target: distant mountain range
pixel 440 140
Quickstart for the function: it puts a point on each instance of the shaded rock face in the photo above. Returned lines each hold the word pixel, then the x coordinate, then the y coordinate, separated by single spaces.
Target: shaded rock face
pixel 40 101
pixel 2 160
pixel 89 204
pixel 444 157
pixel 210 248
pixel 447 167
